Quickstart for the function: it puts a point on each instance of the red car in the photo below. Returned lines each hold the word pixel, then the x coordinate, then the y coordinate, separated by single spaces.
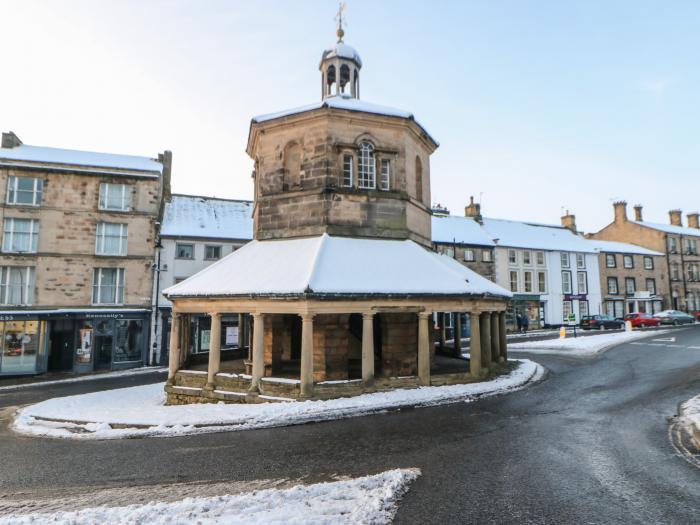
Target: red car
pixel 642 320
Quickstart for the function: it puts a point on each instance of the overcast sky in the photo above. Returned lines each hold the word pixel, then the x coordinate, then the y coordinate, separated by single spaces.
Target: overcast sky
pixel 539 106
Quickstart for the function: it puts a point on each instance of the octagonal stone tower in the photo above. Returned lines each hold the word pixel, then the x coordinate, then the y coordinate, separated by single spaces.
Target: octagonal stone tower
pixel 341 166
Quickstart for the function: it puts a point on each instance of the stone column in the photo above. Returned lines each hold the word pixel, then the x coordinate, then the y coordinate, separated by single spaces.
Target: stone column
pixel 457 350
pixel 504 341
pixel 475 345
pixel 424 348
pixel 307 355
pixel 214 350
pixel 174 357
pixel 368 348
pixel 486 340
pixel 258 350
pixel 495 338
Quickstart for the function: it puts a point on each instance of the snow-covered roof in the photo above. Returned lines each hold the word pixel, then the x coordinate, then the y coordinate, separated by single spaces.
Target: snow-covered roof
pixel 514 234
pixel 326 265
pixel 25 155
pixel 204 217
pixel 669 228
pixel 462 230
pixel 621 247
pixel 342 50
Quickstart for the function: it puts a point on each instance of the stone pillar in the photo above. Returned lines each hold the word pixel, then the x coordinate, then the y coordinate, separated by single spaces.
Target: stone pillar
pixel 174 357
pixel 504 341
pixel 214 350
pixel 495 338
pixel 368 349
pixel 457 350
pixel 424 348
pixel 475 345
pixel 307 355
pixel 486 340
pixel 258 350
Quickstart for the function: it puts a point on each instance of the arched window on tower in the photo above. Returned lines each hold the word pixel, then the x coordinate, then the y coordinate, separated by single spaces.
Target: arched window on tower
pixel 419 179
pixel 344 86
pixel 330 81
pixel 292 165
pixel 356 85
pixel 366 178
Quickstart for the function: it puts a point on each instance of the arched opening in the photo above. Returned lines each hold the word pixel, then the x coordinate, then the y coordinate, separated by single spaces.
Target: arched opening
pixel 330 81
pixel 367 178
pixel 344 84
pixel 356 85
pixel 292 165
pixel 419 179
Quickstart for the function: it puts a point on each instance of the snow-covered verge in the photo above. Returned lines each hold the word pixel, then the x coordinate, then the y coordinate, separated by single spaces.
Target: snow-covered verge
pixel 91 377
pixel 690 418
pixel 366 500
pixel 140 411
pixel 581 346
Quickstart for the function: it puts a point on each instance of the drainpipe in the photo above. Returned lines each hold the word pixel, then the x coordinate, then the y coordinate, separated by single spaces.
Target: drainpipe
pixel 670 276
pixel 685 285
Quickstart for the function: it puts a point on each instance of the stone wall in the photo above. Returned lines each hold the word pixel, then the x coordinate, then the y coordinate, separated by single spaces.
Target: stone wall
pixel 399 344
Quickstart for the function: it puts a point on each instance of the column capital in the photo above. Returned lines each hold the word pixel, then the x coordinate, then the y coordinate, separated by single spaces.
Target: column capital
pixel 175 315
pixel 214 314
pixel 368 315
pixel 425 315
pixel 307 317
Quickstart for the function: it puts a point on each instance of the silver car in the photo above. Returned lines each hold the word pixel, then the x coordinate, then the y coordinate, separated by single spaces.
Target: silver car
pixel 674 317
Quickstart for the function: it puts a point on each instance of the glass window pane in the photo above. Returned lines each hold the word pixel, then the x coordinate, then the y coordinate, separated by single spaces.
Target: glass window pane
pixel 20 346
pixel 129 339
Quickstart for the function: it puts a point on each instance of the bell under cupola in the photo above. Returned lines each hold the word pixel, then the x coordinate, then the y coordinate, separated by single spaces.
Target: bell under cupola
pixel 340 67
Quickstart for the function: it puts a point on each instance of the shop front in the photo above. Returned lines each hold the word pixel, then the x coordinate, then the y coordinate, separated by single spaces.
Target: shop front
pixel 528 305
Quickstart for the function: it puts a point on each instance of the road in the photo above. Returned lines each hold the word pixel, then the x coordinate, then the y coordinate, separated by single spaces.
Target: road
pixel 590 444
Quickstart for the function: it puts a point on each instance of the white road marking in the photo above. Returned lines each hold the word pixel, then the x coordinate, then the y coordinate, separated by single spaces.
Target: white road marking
pixel 666 339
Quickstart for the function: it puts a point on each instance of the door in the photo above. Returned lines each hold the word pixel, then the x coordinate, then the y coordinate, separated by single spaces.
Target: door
pixel 62 346
pixel 103 342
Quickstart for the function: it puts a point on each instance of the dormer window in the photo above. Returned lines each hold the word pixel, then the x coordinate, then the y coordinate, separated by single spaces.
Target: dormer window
pixel 367 178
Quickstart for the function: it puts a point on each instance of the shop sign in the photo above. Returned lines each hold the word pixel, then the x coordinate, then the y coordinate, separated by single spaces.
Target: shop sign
pixel 84 353
pixel 575 297
pixel 231 335
pixel 114 315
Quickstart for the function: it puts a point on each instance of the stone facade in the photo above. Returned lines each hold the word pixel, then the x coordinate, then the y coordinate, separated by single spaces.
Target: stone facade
pixel 479 259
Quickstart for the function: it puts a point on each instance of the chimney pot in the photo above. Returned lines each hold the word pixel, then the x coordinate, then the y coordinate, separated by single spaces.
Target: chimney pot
pixel 568 221
pixel 676 217
pixel 693 220
pixel 473 210
pixel 620 211
pixel 638 213
pixel 10 140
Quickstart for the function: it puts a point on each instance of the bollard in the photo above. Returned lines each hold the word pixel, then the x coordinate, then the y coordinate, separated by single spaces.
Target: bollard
pixel 628 326
pixel 562 333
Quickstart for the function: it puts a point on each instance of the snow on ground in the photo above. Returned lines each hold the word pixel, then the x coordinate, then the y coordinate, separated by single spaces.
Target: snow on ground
pixel 92 377
pixel 581 346
pixel 140 411
pixel 366 500
pixel 690 412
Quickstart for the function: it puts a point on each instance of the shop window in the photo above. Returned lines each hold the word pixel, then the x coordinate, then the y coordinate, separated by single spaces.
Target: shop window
pixel 566 310
pixel 582 309
pixel 24 191
pixel 384 181
pixel 367 176
pixel 184 251
pixel 108 286
pixel 628 261
pixel 212 253
pixel 20 235
pixel 20 345
pixel 128 340
pixel 347 171
pixel 114 197
pixel 16 285
pixel 111 239
pixel 610 260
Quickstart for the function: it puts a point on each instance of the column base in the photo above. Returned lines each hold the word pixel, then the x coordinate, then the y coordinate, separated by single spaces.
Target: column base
pixel 209 387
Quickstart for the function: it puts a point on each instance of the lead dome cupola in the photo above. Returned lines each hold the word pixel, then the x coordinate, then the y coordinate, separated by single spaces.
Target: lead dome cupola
pixel 340 68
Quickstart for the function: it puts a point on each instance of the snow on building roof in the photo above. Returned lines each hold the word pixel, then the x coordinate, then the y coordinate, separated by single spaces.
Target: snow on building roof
pixel 462 230
pixel 205 217
pixel 514 234
pixel 327 265
pixel 621 247
pixel 342 50
pixel 19 155
pixel 670 228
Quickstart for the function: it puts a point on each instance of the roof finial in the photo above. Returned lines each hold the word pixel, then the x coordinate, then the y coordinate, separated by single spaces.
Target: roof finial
pixel 339 19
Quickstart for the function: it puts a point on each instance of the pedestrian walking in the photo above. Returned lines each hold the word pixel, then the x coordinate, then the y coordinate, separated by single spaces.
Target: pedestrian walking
pixel 519 321
pixel 525 322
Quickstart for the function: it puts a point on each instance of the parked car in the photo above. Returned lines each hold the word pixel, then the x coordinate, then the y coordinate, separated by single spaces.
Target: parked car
pixel 642 320
pixel 697 315
pixel 674 317
pixel 600 322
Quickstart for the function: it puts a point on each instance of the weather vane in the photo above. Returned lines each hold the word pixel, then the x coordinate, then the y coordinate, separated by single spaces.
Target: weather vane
pixel 339 19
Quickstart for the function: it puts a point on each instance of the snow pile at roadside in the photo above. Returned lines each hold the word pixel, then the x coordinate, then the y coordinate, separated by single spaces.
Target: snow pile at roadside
pixel 366 500
pixel 581 346
pixel 92 377
pixel 690 412
pixel 142 411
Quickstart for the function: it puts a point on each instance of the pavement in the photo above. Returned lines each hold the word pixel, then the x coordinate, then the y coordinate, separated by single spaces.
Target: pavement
pixel 590 444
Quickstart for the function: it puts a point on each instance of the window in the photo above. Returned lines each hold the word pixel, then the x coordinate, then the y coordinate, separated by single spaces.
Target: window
pixel 469 255
pixel 527 258
pixel 486 255
pixel 527 282
pixel 542 282
pixel 628 261
pixel 582 309
pixel 580 261
pixel 184 251
pixel 419 179
pixel 566 310
pixel 367 176
pixel 20 235
pixel 690 246
pixel 672 244
pixel 116 197
pixel 385 175
pixel 512 257
pixel 630 285
pixel 610 260
pixel 111 239
pixel 108 286
pixel 565 260
pixel 612 286
pixel 130 340
pixel 347 171
pixel 16 285
pixel 539 257
pixel 582 282
pixel 566 282
pixel 513 281
pixel 178 280
pixel 693 272
pixel 675 272
pixel 24 190
pixel 648 263
pixel 651 286
pixel 212 253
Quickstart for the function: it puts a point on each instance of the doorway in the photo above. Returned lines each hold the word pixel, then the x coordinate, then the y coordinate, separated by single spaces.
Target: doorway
pixel 62 345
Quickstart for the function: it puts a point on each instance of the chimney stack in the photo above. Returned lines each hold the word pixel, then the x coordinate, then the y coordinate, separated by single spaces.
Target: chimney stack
pixel 638 213
pixel 568 221
pixel 10 140
pixel 693 220
pixel 473 210
pixel 676 217
pixel 620 211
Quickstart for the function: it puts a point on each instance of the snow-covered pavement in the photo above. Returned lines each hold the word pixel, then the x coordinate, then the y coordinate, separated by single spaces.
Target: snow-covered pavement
pixel 140 411
pixel 690 418
pixel 91 377
pixel 582 346
pixel 366 500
